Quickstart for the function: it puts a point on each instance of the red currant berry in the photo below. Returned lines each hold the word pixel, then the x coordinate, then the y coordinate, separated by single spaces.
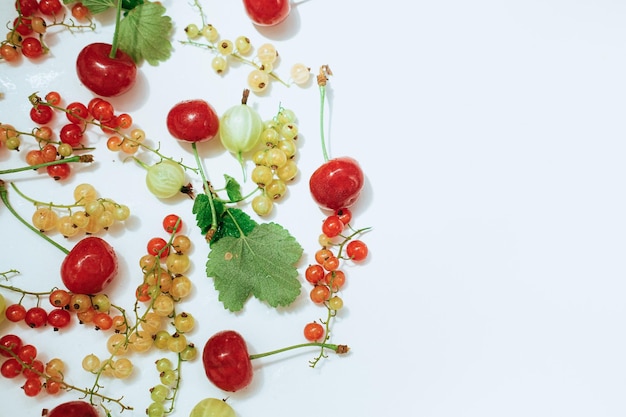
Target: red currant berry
pixel 59 318
pixel 36 317
pixel 172 223
pixel 32 48
pixel 158 247
pixel 11 368
pixel 59 171
pixel 332 226
pixel 15 313
pixel 77 112
pixel 10 343
pixel 71 134
pixel 345 215
pixel 357 250
pixel 313 331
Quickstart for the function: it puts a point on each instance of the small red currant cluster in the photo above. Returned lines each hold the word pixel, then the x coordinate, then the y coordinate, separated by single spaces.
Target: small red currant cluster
pixel 55 154
pixel 325 274
pixel 22 359
pixel 89 309
pixel 34 19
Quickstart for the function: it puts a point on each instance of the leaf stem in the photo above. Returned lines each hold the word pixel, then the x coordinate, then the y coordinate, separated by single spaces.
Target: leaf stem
pixel 207 191
pixel 4 196
pixel 339 349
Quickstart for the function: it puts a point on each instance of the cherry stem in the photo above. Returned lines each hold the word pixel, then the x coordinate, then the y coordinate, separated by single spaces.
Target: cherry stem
pixel 4 196
pixel 75 158
pixel 322 79
pixel 339 349
pixel 207 191
pixel 118 17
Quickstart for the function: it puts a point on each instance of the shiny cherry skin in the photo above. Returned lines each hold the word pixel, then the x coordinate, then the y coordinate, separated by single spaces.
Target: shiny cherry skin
pixel 227 362
pixel 193 121
pixel 90 266
pixel 337 183
pixel 102 74
pixel 76 408
pixel 267 12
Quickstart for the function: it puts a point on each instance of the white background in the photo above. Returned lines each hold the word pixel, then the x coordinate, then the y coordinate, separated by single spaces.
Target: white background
pixel 491 134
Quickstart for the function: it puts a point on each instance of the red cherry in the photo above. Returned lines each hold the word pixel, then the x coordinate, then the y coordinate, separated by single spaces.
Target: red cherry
pixel 76 408
pixel 193 121
pixel 227 362
pixel 102 74
pixel 89 267
pixel 337 183
pixel 267 12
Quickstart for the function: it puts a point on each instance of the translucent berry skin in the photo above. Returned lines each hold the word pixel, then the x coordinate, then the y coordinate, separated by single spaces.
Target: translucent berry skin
pixel 227 362
pixel 267 12
pixel 89 267
pixel 76 408
pixel 337 183
pixel 193 121
pixel 103 75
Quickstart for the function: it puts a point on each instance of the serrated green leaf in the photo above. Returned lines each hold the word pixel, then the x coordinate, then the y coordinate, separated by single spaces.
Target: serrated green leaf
pixel 202 209
pixel 98 6
pixel 145 33
pixel 232 221
pixel 233 188
pixel 260 264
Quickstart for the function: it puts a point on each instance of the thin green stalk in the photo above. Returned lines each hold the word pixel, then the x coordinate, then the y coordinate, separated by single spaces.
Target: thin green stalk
pixel 4 196
pixel 118 18
pixel 75 158
pixel 339 349
pixel 322 79
pixel 208 192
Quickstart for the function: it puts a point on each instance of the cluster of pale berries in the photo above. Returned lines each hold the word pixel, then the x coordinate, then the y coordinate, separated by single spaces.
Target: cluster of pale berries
pixel 275 163
pixel 263 62
pixel 90 214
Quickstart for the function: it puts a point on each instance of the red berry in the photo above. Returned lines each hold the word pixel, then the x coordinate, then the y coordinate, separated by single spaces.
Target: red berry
pixel 313 331
pixel 90 266
pixel 59 318
pixel 15 313
pixel 227 362
pixel 357 250
pixel 36 317
pixel 332 226
pixel 172 223
pixel 10 343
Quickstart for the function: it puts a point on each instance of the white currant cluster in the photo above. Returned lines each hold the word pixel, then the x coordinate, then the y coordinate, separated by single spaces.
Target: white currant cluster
pixel 262 61
pixel 275 164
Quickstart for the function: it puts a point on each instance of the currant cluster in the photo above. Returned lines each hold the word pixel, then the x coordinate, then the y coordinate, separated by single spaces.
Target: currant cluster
pixel 160 394
pixel 326 276
pixel 262 61
pixel 89 309
pixel 34 19
pixel 22 359
pixel 89 214
pixel 275 163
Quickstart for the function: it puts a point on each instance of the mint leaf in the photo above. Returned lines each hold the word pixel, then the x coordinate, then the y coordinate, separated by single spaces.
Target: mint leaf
pixel 233 189
pixel 259 264
pixel 145 32
pixel 98 6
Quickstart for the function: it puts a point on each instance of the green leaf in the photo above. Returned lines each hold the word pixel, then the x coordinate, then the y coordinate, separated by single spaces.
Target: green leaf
pixel 98 6
pixel 233 188
pixel 260 264
pixel 202 209
pixel 145 33
pixel 232 223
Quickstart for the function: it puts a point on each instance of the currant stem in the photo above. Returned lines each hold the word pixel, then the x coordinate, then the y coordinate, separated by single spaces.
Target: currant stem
pixel 75 158
pixel 4 196
pixel 208 192
pixel 339 349
pixel 86 392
